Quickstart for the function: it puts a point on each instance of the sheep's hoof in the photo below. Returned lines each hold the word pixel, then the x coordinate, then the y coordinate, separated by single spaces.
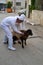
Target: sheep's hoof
pixel 14 42
pixel 22 46
pixel 25 44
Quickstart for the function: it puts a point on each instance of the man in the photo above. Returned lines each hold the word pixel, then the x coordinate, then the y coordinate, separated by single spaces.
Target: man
pixel 22 25
pixel 12 22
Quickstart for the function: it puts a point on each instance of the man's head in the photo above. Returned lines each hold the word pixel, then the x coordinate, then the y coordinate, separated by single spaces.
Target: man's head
pixel 20 19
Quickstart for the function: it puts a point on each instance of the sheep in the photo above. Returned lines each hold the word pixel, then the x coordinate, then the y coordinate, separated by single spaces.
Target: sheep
pixel 23 37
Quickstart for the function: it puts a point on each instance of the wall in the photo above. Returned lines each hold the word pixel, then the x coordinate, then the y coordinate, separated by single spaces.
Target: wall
pixel 37 17
pixel 22 4
pixel 2 1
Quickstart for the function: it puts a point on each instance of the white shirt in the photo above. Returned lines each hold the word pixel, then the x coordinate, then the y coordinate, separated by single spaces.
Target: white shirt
pixel 11 22
pixel 22 26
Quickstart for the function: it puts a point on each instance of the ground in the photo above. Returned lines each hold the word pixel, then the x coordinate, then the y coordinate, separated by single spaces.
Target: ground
pixel 32 54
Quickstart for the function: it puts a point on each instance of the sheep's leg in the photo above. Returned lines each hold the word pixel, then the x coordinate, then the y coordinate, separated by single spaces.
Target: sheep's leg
pixel 22 44
pixel 19 41
pixel 25 41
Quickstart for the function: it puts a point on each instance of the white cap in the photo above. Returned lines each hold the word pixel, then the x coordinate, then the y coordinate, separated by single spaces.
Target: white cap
pixel 22 17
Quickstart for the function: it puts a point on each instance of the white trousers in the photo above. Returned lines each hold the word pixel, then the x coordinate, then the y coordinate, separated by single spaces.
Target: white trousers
pixel 8 35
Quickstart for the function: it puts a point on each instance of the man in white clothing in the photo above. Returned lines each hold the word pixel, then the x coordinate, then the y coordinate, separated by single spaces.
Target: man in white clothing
pixel 11 21
pixel 22 25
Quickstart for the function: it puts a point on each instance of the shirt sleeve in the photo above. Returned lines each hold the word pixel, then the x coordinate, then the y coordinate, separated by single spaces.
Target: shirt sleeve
pixel 23 25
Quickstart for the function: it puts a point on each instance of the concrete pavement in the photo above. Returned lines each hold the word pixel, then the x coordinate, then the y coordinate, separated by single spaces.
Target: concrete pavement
pixel 32 54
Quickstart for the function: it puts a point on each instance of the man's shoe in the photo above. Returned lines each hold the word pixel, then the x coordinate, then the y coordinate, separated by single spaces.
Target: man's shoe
pixel 12 48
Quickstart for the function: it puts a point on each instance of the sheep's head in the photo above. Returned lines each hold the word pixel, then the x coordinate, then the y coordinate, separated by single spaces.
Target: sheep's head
pixel 29 32
pixel 26 34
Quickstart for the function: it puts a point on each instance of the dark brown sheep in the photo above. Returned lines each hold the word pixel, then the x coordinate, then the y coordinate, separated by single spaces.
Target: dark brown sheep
pixel 23 37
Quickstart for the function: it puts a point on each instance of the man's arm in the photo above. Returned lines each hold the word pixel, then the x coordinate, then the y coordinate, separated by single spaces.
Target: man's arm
pixel 16 30
pixel 23 25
